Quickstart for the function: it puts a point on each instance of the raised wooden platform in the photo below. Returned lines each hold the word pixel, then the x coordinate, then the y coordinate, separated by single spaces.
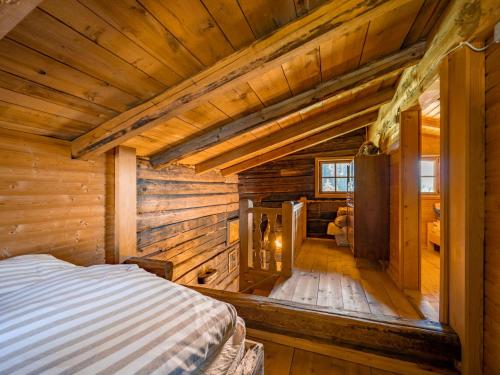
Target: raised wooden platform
pixel 326 275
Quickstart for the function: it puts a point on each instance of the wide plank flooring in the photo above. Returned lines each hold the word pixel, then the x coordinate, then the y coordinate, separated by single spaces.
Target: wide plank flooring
pixel 427 300
pixel 285 360
pixel 326 275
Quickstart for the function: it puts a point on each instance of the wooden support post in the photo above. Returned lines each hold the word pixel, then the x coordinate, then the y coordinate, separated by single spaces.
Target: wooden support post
pixel 246 245
pixel 125 203
pixel 304 217
pixel 463 122
pixel 287 239
pixel 409 234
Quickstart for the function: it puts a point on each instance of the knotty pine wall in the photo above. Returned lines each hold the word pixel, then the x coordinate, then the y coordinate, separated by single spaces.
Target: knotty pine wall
pixel 182 217
pixel 492 214
pixel 292 177
pixel 50 203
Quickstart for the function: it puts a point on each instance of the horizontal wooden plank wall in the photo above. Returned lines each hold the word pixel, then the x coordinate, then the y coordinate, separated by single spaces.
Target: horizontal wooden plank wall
pixel 492 214
pixel 182 217
pixel 52 204
pixel 292 177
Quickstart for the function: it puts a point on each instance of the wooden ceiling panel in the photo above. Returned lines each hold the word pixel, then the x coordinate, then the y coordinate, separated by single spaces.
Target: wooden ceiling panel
pixel 134 21
pixel 343 54
pixel 271 87
pixel 92 112
pixel 232 21
pixel 205 116
pixel 47 35
pixel 430 101
pixel 33 66
pixel 265 16
pixel 81 64
pixel 89 24
pixel 303 72
pixel 25 119
pixel 387 33
pixel 237 102
pixel 192 25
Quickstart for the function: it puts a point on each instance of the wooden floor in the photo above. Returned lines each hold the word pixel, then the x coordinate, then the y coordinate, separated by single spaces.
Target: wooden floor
pixel 285 360
pixel 427 301
pixel 326 275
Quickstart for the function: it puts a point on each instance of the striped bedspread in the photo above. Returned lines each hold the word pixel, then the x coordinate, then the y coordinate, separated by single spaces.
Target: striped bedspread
pixel 58 318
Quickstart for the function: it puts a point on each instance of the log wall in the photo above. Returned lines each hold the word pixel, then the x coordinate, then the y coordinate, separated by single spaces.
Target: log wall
pixel 492 214
pixel 292 177
pixel 52 204
pixel 182 217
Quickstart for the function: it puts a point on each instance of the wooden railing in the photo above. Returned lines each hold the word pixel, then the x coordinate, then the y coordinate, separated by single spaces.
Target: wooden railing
pixel 270 238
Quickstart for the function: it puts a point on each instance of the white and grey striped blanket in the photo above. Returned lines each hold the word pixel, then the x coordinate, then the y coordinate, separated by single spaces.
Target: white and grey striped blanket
pixel 58 318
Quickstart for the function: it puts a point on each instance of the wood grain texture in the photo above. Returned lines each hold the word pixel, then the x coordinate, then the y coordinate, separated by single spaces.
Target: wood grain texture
pixel 51 204
pixel 13 12
pixel 268 53
pixel 326 275
pixel 370 74
pixel 463 117
pixel 492 215
pixel 292 177
pixel 419 341
pixel 328 119
pixel 182 218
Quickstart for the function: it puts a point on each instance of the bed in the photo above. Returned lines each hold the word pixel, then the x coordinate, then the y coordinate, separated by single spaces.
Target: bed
pixel 58 318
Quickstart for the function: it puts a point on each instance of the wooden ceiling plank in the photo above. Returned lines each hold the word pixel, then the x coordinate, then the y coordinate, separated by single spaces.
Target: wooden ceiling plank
pixel 271 87
pixel 360 78
pixel 13 12
pixel 342 54
pixel 293 39
pixel 337 131
pixel 23 86
pixel 89 24
pixel 303 129
pixel 232 21
pixel 134 21
pixel 388 32
pixel 264 15
pixel 303 72
pixel 42 105
pixel 36 67
pixel 192 25
pixel 46 34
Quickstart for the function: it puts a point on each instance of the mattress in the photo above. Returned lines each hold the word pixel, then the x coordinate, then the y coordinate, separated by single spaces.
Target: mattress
pixel 58 318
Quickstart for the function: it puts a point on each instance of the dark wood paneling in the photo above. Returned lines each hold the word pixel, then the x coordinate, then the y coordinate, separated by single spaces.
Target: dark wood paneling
pixel 292 177
pixel 182 217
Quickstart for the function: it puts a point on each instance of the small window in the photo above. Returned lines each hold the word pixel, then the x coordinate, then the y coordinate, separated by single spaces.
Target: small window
pixel 332 177
pixel 429 175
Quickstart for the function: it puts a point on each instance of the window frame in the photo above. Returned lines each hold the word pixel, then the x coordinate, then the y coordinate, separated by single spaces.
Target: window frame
pixel 436 175
pixel 318 176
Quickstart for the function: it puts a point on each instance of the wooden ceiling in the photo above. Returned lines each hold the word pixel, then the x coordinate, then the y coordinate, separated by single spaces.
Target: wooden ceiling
pixel 66 69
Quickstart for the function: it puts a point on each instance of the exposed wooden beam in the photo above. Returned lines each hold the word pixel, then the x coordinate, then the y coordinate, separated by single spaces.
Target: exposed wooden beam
pixel 378 70
pixel 421 341
pixel 300 130
pixel 13 12
pixel 463 21
pixel 336 131
pixel 324 23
